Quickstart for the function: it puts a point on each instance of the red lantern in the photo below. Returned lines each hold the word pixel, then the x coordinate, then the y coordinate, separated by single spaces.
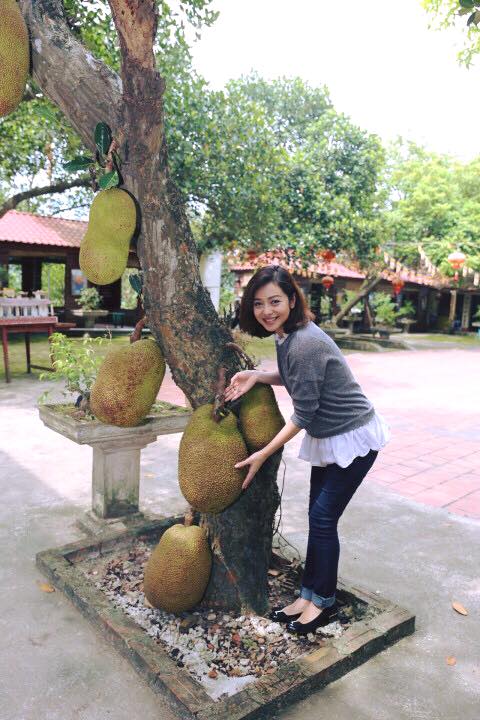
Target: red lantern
pixel 397 284
pixel 456 260
pixel 328 255
pixel 327 282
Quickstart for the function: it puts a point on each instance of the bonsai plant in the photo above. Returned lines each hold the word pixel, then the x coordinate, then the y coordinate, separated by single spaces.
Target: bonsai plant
pixel 406 315
pixel 384 310
pixel 89 301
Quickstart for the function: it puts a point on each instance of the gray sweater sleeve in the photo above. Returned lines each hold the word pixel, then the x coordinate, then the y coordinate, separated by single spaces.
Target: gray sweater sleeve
pixel 307 368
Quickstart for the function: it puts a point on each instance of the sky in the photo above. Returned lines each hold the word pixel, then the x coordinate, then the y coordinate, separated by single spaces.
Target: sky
pixel 382 64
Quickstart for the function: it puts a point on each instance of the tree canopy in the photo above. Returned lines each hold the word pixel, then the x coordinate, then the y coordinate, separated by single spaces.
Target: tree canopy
pixel 435 203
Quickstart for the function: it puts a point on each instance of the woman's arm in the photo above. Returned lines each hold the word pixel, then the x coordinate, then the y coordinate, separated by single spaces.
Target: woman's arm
pixel 256 460
pixel 269 378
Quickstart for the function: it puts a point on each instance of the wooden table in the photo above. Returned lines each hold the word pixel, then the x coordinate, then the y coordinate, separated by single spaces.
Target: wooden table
pixel 27 326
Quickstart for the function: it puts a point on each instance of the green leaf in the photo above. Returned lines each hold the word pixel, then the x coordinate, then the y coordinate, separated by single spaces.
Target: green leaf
pixel 103 137
pixel 45 112
pixel 80 162
pixel 474 18
pixel 136 282
pixel 468 4
pixel 109 180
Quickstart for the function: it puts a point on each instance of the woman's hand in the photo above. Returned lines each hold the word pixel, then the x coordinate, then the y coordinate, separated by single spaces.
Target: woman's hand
pixel 255 461
pixel 240 383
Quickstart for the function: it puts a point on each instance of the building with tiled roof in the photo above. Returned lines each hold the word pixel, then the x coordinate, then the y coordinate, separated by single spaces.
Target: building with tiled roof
pixel 29 240
pixel 431 294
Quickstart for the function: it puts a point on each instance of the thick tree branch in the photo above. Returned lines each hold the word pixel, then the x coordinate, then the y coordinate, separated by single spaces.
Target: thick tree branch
pixel 136 24
pixel 13 201
pixel 367 287
pixel 84 88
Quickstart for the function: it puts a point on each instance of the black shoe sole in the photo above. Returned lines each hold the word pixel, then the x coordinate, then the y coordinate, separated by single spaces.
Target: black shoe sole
pixel 325 617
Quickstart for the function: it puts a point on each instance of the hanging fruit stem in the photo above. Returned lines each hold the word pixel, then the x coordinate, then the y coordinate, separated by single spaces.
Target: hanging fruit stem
pixel 219 402
pixel 137 333
pixel 111 162
pixel 189 515
pixel 249 364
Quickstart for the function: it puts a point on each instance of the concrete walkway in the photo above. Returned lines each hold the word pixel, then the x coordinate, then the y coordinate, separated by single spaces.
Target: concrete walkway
pixel 420 550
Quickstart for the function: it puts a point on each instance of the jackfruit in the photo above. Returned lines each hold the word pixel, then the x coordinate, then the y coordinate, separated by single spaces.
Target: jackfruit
pixel 207 455
pixel 14 56
pixel 127 383
pixel 105 245
pixel 260 418
pixel 178 570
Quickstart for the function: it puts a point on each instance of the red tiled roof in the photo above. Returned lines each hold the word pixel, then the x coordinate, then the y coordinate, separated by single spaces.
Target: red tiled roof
pixel 321 268
pixel 335 269
pixel 22 227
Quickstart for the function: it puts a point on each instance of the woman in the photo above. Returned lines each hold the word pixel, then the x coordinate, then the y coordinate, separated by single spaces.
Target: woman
pixel 343 432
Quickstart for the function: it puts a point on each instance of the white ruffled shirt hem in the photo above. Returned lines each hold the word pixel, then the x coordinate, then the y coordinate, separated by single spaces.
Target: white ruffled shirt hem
pixel 343 449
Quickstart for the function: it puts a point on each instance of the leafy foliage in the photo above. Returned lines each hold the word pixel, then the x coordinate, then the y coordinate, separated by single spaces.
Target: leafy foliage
pixel 384 308
pixel 89 298
pixel 53 281
pixel 76 363
pixel 453 12
pixel 435 202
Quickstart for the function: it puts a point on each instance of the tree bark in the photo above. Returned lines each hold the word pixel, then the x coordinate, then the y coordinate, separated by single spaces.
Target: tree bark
pixel 180 312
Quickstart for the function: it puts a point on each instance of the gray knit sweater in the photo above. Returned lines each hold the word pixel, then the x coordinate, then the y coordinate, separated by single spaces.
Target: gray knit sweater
pixel 326 398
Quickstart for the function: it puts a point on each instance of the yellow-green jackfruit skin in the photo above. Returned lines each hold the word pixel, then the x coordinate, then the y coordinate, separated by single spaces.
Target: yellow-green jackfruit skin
pixel 260 418
pixel 104 247
pixel 178 570
pixel 208 452
pixel 14 56
pixel 127 383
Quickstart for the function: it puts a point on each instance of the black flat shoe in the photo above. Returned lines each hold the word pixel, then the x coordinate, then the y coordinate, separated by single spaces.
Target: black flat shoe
pixel 277 615
pixel 326 616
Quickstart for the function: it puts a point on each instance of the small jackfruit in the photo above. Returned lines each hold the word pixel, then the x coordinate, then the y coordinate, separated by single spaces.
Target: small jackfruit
pixel 178 570
pixel 260 418
pixel 14 56
pixel 127 383
pixel 207 455
pixel 104 247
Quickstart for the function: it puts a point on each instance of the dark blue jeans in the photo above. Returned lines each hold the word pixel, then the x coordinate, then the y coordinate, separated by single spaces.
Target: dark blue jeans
pixel 331 489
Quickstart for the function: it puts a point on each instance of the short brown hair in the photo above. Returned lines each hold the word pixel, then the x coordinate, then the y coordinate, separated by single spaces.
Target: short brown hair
pixel 299 314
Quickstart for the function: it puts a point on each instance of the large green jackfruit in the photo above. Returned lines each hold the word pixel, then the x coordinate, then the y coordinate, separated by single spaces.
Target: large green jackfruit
pixel 127 383
pixel 178 570
pixel 105 245
pixel 14 56
pixel 208 452
pixel 260 418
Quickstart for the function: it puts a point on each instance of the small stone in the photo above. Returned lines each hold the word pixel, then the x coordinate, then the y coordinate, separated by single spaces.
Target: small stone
pixel 187 622
pixel 226 618
pixel 236 639
pixel 213 674
pixel 212 616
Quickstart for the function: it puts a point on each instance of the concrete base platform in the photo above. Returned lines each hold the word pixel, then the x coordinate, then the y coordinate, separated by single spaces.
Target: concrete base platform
pixel 175 686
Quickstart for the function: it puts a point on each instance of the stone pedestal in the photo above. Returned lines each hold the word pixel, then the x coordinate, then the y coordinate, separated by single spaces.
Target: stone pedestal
pixel 116 461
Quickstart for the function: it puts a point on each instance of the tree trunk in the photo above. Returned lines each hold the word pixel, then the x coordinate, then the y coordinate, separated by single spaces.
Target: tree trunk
pixel 367 287
pixel 180 312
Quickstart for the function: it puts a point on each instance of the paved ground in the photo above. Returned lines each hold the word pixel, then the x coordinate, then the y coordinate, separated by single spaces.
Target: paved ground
pixel 419 550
